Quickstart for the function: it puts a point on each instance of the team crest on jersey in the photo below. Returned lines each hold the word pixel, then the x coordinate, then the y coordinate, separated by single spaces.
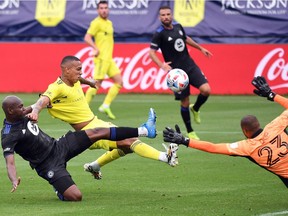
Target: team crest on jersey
pixel 33 128
pixel 179 45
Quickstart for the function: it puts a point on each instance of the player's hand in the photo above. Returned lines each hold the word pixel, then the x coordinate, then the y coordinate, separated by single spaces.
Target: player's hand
pixel 33 117
pixel 172 136
pixel 206 52
pixel 93 83
pixel 262 88
pixel 166 66
pixel 95 52
pixel 15 184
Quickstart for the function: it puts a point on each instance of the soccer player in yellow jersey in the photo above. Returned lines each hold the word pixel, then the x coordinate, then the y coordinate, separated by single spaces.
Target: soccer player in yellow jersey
pixel 66 101
pixel 101 29
pixel 266 147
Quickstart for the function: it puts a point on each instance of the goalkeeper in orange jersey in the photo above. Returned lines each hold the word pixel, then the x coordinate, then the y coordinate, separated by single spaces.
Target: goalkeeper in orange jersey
pixel 266 147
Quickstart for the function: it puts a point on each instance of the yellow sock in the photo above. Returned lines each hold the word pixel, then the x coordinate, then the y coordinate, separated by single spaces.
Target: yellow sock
pixel 110 156
pixel 112 93
pixel 90 94
pixel 145 150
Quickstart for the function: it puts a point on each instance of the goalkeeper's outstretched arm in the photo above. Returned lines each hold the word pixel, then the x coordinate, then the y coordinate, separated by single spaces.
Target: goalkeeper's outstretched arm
pixel 175 136
pixel 262 89
pixel 281 100
pixel 220 148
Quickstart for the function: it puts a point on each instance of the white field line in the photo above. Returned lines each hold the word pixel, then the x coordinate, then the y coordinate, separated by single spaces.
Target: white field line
pixel 275 213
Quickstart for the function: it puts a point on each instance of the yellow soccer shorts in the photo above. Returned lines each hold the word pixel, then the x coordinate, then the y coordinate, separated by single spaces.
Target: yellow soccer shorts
pixel 101 144
pixel 103 68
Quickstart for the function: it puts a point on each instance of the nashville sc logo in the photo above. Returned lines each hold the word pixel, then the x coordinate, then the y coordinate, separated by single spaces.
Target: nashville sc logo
pixel 189 12
pixel 50 12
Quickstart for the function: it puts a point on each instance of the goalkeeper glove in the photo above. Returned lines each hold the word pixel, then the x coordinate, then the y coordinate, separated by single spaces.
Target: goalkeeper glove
pixel 172 136
pixel 262 88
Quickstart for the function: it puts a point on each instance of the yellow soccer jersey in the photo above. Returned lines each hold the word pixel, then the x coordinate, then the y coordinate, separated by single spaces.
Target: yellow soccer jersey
pixel 102 30
pixel 68 103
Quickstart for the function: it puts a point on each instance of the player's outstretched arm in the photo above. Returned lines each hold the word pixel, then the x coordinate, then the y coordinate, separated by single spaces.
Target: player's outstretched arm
pixel 11 171
pixel 41 103
pixel 91 82
pixel 163 65
pixel 175 136
pixel 192 43
pixel 263 90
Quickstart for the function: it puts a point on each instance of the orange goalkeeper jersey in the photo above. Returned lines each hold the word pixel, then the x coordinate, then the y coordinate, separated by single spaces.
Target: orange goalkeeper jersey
pixel 268 148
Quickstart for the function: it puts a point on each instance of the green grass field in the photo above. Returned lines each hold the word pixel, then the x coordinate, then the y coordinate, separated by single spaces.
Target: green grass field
pixel 202 184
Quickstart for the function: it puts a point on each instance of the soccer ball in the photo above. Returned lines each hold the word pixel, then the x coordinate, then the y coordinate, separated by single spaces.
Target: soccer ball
pixel 177 80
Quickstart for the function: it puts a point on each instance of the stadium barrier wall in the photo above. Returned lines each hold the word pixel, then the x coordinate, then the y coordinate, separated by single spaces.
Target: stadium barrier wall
pixel 30 67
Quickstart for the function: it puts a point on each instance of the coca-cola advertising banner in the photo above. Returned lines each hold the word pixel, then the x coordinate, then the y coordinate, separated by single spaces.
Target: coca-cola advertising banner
pixel 135 18
pixel 30 67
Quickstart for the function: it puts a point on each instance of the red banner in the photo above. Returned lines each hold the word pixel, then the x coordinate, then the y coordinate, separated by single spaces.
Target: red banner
pixel 30 67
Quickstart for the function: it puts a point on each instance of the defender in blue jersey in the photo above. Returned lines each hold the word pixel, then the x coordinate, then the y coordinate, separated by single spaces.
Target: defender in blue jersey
pixel 171 38
pixel 49 156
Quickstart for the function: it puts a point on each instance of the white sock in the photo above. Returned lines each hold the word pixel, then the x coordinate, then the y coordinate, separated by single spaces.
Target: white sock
pixel 95 166
pixel 105 105
pixel 142 132
pixel 163 157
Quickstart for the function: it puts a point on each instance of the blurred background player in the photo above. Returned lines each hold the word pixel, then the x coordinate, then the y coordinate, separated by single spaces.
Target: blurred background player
pixel 49 156
pixel 66 101
pixel 101 29
pixel 266 147
pixel 171 38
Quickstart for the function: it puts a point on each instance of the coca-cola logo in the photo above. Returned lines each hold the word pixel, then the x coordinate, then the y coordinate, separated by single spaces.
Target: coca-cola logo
pixel 138 71
pixel 274 67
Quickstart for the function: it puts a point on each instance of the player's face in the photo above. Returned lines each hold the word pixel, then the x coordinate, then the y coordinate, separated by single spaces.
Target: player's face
pixel 17 109
pixel 166 17
pixel 103 11
pixel 74 71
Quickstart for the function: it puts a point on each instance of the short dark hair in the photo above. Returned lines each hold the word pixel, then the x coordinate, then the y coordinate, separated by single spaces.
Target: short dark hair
pixel 164 7
pixel 101 2
pixel 69 59
pixel 250 123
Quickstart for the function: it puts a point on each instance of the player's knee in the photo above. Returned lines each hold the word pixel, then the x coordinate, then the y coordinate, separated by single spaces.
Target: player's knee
pixel 76 196
pixel 205 89
pixel 72 193
pixel 126 149
pixel 125 144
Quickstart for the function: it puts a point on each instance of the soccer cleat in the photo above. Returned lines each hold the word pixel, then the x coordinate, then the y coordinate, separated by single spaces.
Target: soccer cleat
pixel 171 152
pixel 150 125
pixel 107 111
pixel 193 135
pixel 196 114
pixel 97 174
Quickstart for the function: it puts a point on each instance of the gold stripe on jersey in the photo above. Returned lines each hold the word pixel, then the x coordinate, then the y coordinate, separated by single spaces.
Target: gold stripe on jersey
pixel 68 103
pixel 103 31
